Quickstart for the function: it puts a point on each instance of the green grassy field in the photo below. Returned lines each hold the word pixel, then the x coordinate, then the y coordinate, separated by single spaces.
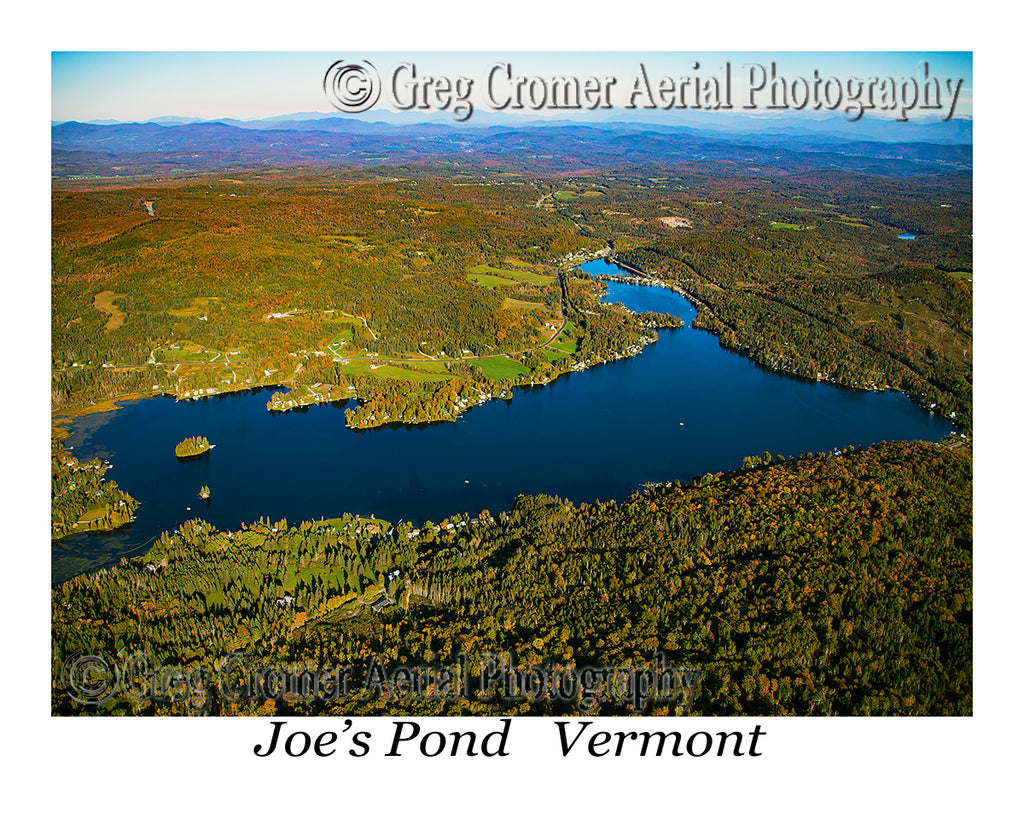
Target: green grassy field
pixel 184 352
pixel 514 275
pixel 431 366
pixel 362 369
pixel 94 514
pixel 490 281
pixel 343 328
pixel 499 368
pixel 562 343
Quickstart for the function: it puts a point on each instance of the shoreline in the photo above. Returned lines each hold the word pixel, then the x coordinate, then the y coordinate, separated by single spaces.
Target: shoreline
pixel 503 389
pixel 645 280
pixel 60 417
pixel 318 394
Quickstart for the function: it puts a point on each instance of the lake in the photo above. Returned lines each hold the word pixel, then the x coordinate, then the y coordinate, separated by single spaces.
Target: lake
pixel 681 408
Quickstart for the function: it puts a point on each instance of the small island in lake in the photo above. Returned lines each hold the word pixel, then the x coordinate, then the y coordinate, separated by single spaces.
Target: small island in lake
pixel 204 492
pixel 191 447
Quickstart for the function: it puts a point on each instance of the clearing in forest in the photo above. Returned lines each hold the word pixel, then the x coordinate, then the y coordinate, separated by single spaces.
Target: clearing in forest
pixel 518 304
pixel 200 305
pixel 488 276
pixel 421 374
pixel 500 368
pixel 104 302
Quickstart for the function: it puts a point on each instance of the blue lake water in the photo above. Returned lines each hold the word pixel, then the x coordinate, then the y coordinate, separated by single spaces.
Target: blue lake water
pixel 681 408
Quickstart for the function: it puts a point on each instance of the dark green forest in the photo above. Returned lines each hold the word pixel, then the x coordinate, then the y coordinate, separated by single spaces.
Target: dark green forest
pixel 822 585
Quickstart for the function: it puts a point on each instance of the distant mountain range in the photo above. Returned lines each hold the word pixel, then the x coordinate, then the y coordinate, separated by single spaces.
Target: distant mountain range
pixel 174 145
pixel 877 129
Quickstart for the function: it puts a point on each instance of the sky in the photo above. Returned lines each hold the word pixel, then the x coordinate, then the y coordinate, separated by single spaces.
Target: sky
pixel 136 86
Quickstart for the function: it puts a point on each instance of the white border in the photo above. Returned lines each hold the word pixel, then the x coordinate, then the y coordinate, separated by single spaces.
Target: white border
pixel 940 767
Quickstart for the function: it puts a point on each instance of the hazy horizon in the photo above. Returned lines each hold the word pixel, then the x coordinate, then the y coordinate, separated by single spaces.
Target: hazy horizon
pixel 248 86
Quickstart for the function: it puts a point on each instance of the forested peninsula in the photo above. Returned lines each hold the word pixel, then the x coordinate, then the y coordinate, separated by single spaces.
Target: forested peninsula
pixel 81 499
